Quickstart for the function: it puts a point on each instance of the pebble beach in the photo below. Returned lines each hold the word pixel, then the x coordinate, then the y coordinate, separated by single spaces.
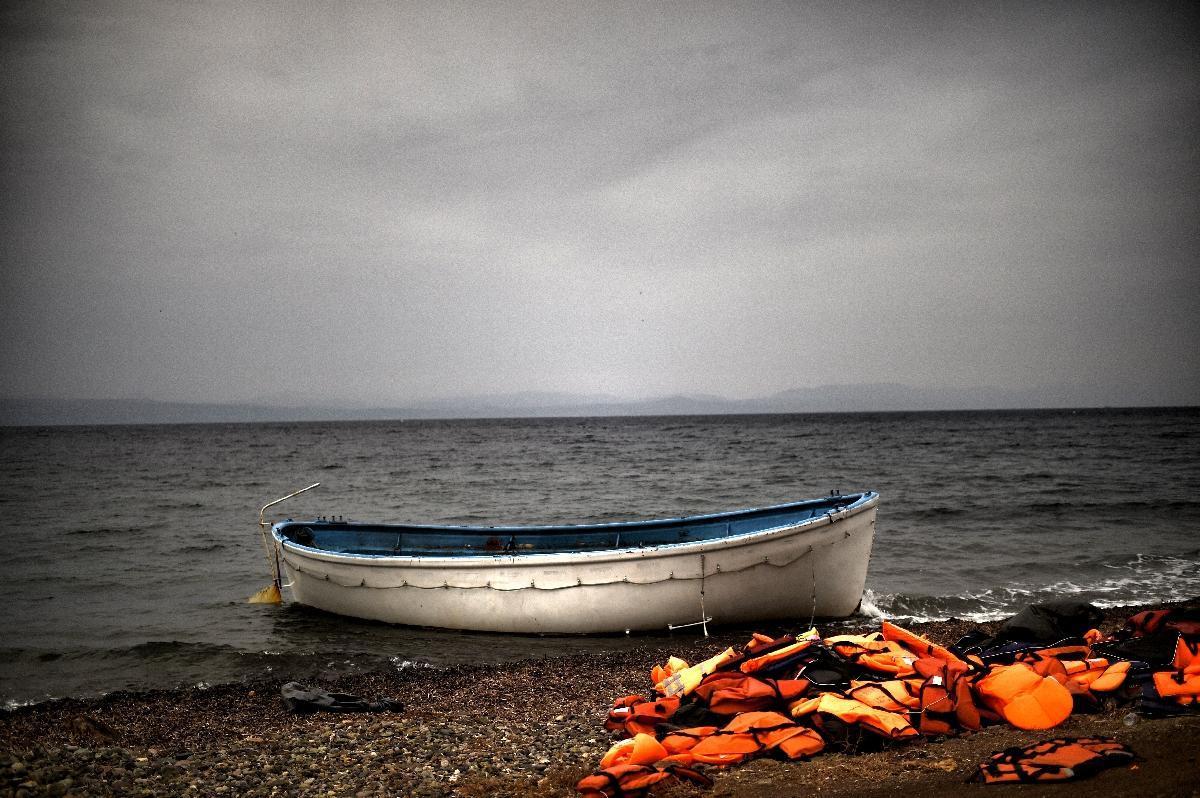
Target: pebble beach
pixel 528 729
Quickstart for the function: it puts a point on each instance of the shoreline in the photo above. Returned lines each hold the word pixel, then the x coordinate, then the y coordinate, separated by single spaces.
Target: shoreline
pixel 530 728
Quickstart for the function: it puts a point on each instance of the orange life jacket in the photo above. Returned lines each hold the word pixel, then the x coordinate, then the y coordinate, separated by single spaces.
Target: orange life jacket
pixel 1053 760
pixel 673 665
pixel 894 695
pixel 1182 684
pixel 881 656
pixel 757 644
pixel 1023 698
pixel 1054 661
pixel 946 701
pixel 680 741
pixel 763 661
pixel 1082 675
pixel 886 724
pixel 632 781
pixel 731 692
pixel 1144 623
pixel 1187 653
pixel 751 733
pixel 640 749
pixel 917 644
pixel 685 681
pixel 1179 687
pixel 633 714
pixel 1097 675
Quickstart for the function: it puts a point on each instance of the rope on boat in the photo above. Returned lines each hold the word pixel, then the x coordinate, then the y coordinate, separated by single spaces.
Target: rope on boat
pixel 579 583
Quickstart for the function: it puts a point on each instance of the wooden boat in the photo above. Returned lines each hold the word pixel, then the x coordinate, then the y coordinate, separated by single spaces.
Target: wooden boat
pixel 791 561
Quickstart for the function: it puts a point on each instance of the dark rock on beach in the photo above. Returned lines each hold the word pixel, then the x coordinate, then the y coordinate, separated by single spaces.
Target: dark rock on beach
pixel 526 729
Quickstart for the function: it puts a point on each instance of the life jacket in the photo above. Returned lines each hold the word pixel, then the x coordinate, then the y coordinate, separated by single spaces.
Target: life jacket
pixel 893 695
pixel 731 692
pixel 673 665
pixel 1144 623
pixel 1023 698
pixel 760 643
pixel 917 644
pixel 757 644
pixel 1053 661
pixel 1053 760
pixel 892 725
pixel 879 656
pixel 680 741
pixel 688 679
pixel 1083 675
pixel 1096 675
pixel 633 714
pixel 946 701
pixel 640 749
pixel 751 733
pixel 633 781
pixel 1181 685
pixel 1187 652
pixel 772 659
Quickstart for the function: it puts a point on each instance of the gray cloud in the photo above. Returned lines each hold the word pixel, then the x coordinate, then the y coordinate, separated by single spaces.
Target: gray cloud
pixel 376 203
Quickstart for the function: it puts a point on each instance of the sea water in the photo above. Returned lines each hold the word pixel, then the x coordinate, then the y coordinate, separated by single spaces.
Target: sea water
pixel 130 550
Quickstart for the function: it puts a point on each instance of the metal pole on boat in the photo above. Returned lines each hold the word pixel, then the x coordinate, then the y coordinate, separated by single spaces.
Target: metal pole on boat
pixel 704 616
pixel 271 594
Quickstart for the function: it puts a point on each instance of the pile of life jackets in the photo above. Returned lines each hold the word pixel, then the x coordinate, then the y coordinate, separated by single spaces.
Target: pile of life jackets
pixel 795 696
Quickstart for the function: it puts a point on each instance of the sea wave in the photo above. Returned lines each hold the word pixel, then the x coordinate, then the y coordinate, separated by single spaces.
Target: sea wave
pixel 1145 579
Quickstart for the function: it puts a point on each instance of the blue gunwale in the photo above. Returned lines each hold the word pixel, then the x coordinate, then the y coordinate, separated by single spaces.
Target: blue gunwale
pixel 373 540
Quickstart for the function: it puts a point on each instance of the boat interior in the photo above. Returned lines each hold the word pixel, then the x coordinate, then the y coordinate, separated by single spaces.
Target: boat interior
pixel 404 540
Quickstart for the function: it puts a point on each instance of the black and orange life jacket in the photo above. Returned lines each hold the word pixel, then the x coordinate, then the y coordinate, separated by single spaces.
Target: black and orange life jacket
pixel 892 725
pixel 946 703
pixel 1087 678
pixel 1052 661
pixel 871 652
pixel 780 660
pixel 731 692
pixel 680 741
pixel 1144 623
pixel 893 695
pixel 1182 683
pixel 633 714
pixel 752 733
pixel 916 643
pixel 641 749
pixel 1053 760
pixel 633 781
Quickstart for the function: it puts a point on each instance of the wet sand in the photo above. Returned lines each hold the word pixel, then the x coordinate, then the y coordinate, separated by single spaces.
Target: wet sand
pixel 527 729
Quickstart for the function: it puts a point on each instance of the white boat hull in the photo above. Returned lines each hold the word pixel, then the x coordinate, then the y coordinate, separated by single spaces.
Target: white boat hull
pixel 816 568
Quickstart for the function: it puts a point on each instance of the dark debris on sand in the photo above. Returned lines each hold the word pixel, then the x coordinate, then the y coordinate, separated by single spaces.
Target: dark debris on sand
pixel 525 729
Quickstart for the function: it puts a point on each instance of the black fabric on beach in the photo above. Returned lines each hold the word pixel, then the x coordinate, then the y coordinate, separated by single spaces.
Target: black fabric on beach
pixel 302 700
pixel 1051 623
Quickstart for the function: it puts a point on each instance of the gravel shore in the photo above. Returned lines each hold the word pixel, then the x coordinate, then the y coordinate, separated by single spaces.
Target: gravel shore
pixel 526 729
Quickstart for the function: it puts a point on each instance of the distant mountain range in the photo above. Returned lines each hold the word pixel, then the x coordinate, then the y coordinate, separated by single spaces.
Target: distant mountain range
pixel 873 397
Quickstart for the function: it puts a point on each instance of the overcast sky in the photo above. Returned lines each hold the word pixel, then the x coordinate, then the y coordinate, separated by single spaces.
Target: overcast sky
pixel 397 201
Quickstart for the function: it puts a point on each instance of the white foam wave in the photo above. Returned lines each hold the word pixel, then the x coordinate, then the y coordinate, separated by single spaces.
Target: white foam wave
pixel 1146 579
pixel 867 607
